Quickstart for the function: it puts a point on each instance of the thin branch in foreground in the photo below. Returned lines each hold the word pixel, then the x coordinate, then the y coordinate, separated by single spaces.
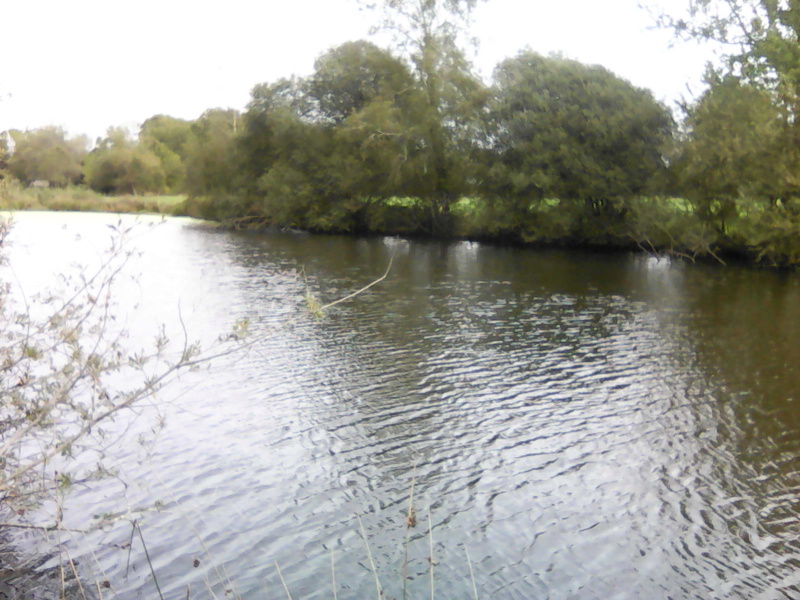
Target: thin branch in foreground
pixel 411 520
pixel 75 573
pixel 149 562
pixel 471 573
pixel 430 538
pixel 333 575
pixel 371 562
pixel 283 581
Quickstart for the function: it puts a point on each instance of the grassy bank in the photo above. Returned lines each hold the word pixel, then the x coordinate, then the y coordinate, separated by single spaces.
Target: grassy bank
pixel 14 196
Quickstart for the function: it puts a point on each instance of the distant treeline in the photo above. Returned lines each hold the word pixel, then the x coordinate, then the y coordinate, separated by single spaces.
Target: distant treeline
pixel 553 152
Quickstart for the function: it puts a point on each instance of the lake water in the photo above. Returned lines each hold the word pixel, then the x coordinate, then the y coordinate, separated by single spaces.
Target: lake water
pixel 577 425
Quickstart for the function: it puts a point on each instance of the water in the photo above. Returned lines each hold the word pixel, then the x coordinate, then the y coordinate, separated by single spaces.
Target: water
pixel 581 426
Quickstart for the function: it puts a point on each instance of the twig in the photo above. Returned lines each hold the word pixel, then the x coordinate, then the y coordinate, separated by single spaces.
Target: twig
pixel 42 527
pixel 149 562
pixel 371 562
pixel 333 575
pixel 430 537
pixel 283 581
pixel 363 289
pixel 471 573
pixel 409 516
pixel 63 578
pixel 75 572
pixel 226 580
pixel 106 582
pixel 130 549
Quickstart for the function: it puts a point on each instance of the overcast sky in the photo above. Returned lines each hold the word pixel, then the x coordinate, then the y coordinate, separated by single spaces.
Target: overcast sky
pixel 89 64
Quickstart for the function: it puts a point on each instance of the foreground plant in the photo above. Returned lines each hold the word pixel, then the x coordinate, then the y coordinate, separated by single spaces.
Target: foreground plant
pixel 66 372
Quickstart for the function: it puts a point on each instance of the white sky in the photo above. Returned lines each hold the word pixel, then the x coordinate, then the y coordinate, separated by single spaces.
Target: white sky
pixel 89 64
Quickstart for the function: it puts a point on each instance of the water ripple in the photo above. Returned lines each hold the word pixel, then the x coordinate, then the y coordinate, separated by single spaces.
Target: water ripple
pixel 586 427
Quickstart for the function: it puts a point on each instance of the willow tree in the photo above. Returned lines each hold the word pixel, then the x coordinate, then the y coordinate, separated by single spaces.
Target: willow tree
pixel 430 33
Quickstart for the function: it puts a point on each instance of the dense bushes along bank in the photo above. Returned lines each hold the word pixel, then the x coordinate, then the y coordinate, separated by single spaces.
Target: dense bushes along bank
pixel 757 232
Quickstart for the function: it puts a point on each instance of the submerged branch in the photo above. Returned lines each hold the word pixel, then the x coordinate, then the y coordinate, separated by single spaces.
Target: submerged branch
pixel 363 289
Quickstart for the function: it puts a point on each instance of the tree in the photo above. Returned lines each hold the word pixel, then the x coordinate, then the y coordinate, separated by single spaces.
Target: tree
pixel 167 131
pixel 119 165
pixel 755 94
pixel 211 155
pixel 735 150
pixel 168 138
pixel 450 97
pixel 307 147
pixel 562 130
pixel 761 37
pixel 349 77
pixel 47 154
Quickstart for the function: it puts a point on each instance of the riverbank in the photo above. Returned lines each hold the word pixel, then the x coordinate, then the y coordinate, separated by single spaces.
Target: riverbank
pixel 23 577
pixel 13 196
pixel 766 234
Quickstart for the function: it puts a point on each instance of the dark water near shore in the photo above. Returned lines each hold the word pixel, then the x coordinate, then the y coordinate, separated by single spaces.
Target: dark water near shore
pixel 587 427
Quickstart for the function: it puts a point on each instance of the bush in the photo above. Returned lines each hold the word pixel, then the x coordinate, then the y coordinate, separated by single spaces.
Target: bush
pixel 65 370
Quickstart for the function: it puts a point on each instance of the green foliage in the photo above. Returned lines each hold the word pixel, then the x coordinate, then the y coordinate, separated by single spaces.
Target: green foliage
pixel 304 186
pixel 172 133
pixel 47 154
pixel 769 231
pixel 447 102
pixel 736 148
pixel 561 129
pixel 211 152
pixel 4 156
pixel 168 138
pixel 662 224
pixel 13 196
pixel 118 165
pixel 740 159
pixel 349 77
pixel 761 36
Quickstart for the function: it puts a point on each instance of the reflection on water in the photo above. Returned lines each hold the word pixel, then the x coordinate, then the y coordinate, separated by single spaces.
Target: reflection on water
pixel 585 426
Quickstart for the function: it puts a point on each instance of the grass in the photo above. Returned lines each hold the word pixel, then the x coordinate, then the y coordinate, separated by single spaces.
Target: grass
pixel 14 196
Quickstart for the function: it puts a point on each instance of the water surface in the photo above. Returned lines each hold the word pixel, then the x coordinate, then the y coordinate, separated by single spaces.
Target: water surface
pixel 584 426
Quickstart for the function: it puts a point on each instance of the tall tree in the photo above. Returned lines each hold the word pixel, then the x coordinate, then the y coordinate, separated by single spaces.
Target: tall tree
pixel 429 33
pixel 211 153
pixel 167 137
pixel 745 130
pixel 736 149
pixel 47 154
pixel 320 150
